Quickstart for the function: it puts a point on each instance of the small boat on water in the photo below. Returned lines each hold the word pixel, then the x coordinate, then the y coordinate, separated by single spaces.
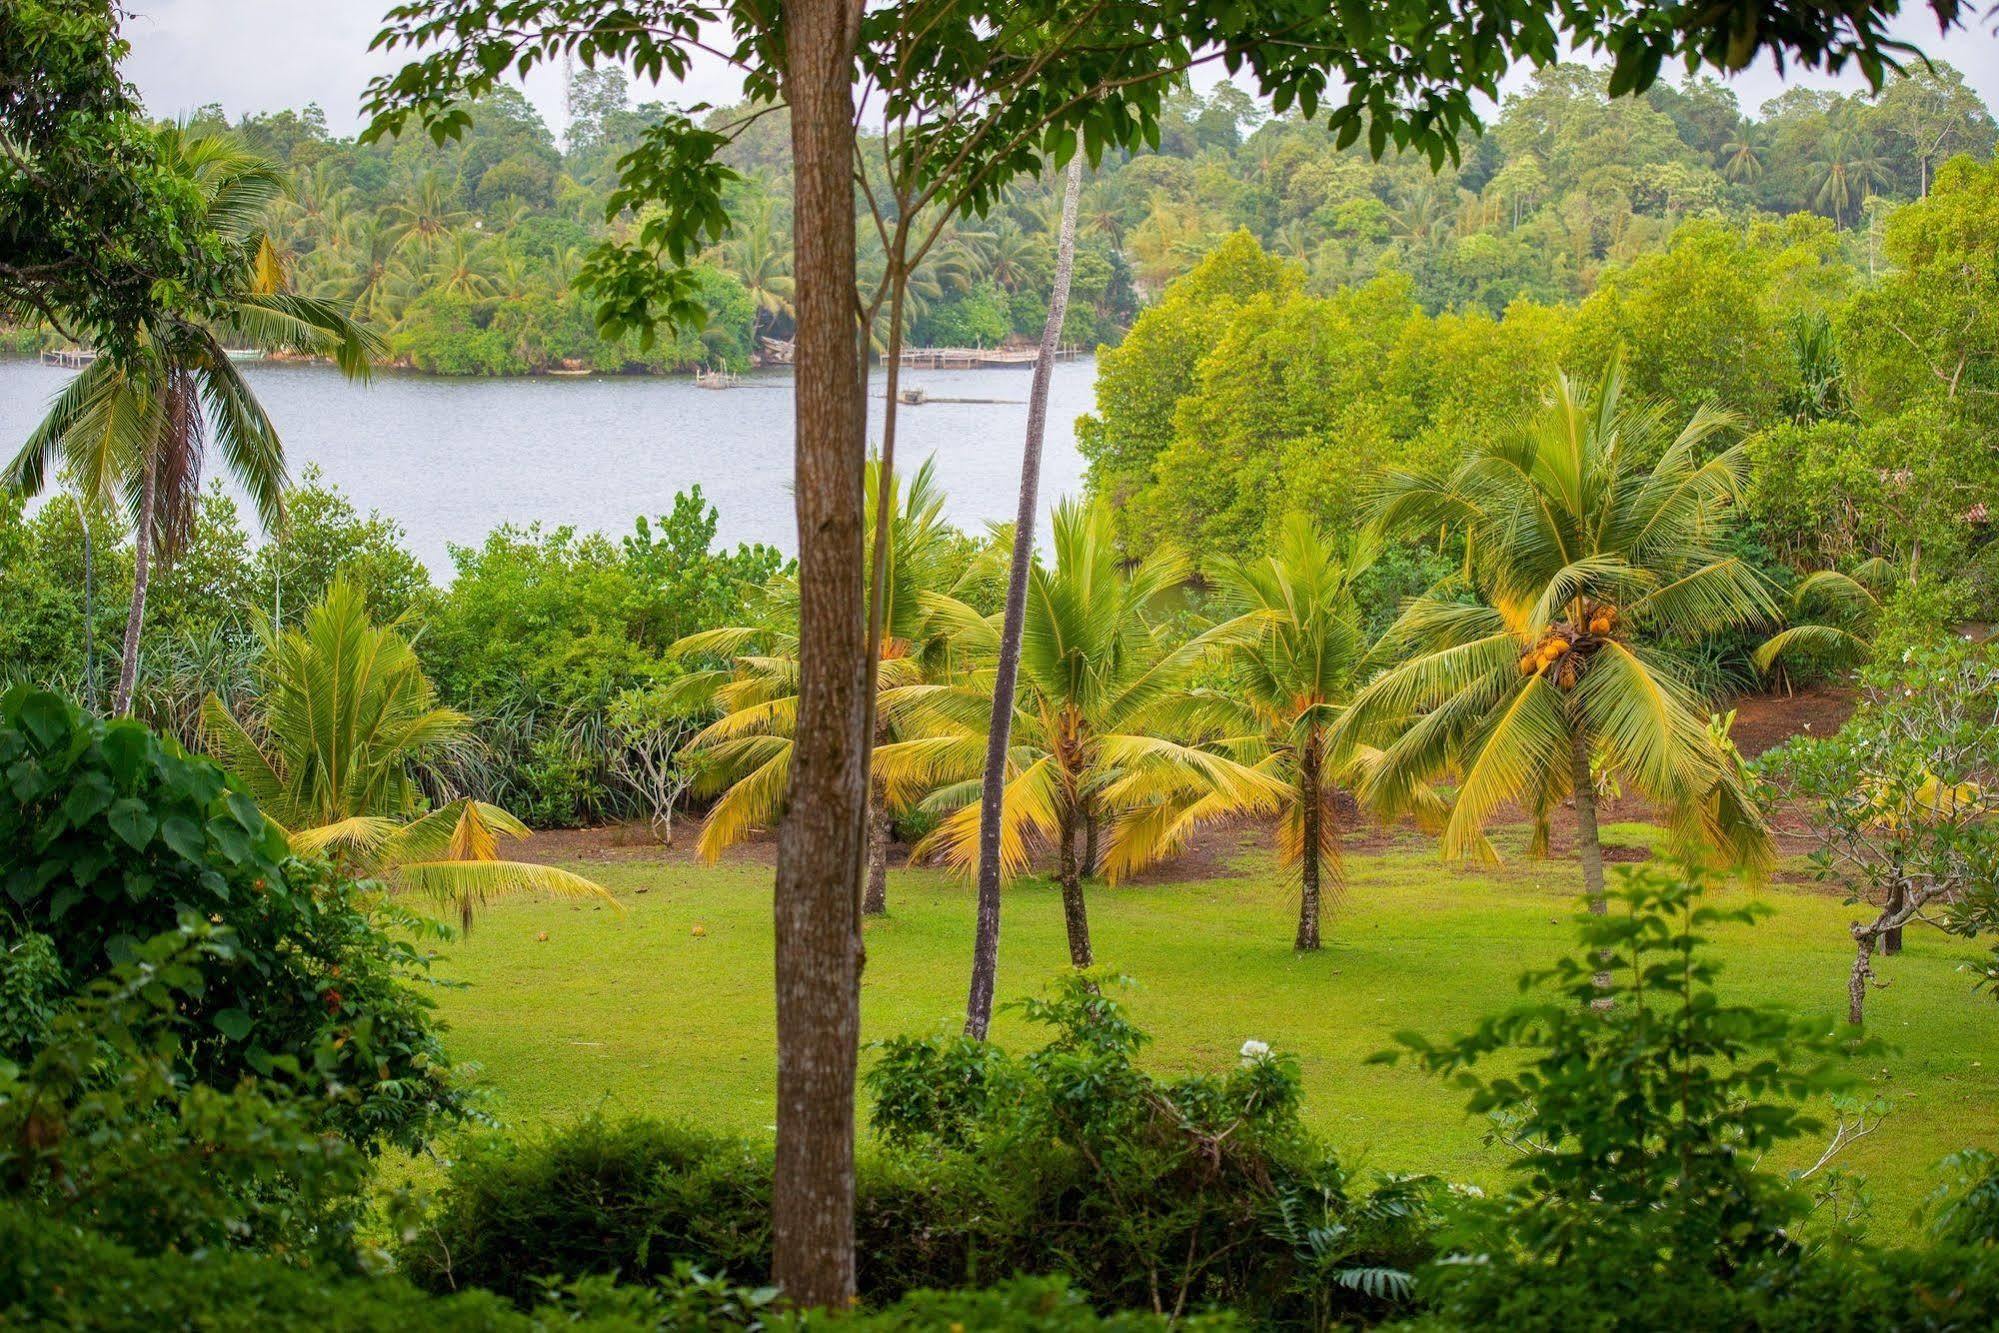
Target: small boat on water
pixel 716 379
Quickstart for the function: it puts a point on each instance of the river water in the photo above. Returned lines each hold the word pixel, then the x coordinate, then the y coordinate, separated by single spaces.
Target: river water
pixel 450 459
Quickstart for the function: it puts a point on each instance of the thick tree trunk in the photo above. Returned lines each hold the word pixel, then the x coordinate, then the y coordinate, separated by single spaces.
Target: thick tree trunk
pixel 875 901
pixel 1075 917
pixel 1312 812
pixel 1091 825
pixel 142 568
pixel 985 945
pixel 820 845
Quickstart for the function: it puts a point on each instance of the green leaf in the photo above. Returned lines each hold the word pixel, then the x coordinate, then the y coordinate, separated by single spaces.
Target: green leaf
pixel 233 1023
pixel 132 821
pixel 184 836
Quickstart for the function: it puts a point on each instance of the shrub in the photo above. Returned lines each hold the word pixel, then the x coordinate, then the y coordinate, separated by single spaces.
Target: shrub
pixel 628 1197
pixel 1167 1195
pixel 53 1275
pixel 1638 1112
pixel 110 836
pixel 99 1128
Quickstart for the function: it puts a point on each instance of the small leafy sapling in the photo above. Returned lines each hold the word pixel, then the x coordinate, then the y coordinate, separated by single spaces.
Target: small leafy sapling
pixel 1905 801
pixel 648 728
pixel 1638 1127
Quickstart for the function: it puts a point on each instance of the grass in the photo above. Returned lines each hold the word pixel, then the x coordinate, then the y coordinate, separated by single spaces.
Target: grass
pixel 667 1009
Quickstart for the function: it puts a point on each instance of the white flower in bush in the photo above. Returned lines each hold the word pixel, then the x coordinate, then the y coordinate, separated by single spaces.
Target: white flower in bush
pixel 1254 1050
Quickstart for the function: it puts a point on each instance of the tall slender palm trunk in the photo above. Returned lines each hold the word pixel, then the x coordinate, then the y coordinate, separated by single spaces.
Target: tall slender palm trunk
pixel 1312 813
pixel 985 946
pixel 874 902
pixel 89 611
pixel 1589 846
pixel 1091 832
pixel 142 567
pixel 1075 916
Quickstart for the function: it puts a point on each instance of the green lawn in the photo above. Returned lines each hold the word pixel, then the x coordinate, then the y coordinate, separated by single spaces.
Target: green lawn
pixel 638 1013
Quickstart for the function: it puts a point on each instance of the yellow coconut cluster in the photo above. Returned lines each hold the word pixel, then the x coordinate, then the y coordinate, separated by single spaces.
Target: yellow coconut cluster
pixel 1548 652
pixel 1556 652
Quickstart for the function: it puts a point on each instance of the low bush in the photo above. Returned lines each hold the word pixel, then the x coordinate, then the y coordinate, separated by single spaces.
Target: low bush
pixel 1172 1196
pixel 111 836
pixel 56 1276
pixel 100 1128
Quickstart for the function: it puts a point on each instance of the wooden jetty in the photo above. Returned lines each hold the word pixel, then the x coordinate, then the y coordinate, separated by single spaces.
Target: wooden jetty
pixel 716 379
pixel 977 358
pixel 76 358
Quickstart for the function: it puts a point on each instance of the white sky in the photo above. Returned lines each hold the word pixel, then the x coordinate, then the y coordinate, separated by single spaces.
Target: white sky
pixel 267 55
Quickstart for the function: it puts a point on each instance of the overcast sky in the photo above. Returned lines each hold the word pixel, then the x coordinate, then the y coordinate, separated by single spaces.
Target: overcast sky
pixel 266 55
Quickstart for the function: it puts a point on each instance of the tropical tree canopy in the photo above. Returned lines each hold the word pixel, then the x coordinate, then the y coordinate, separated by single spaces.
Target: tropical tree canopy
pixel 1095 671
pixel 178 391
pixel 1593 545
pixel 746 753
pixel 345 727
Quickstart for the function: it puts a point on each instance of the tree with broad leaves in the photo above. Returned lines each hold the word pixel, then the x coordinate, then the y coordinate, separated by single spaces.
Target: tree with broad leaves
pixel 1907 801
pixel 1015 86
pixel 99 233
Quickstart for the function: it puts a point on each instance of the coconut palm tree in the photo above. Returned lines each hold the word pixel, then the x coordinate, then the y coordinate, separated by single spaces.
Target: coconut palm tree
pixel 429 211
pixel 1742 155
pixel 1847 169
pixel 1594 539
pixel 1093 673
pixel 463 264
pixel 758 257
pixel 335 749
pixel 140 426
pixel 1276 705
pixel 745 755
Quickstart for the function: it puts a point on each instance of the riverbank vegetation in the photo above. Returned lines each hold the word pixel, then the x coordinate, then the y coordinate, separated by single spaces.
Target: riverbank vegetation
pixel 463 255
pixel 1514 603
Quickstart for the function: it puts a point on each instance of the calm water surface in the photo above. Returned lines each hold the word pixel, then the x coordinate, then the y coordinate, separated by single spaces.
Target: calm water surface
pixel 450 459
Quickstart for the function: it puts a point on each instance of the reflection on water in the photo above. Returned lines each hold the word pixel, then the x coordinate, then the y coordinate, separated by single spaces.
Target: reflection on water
pixel 450 459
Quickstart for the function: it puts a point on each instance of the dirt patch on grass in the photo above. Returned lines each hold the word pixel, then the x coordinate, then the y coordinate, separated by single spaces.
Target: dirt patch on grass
pixel 1762 722
pixel 1765 721
pixel 612 843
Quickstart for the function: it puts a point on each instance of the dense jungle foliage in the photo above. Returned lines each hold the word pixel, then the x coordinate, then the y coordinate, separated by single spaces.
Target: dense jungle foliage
pixel 464 254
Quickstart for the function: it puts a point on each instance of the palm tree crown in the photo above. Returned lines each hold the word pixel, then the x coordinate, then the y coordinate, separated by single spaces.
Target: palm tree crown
pixel 746 753
pixel 1094 671
pixel 346 723
pixel 1593 541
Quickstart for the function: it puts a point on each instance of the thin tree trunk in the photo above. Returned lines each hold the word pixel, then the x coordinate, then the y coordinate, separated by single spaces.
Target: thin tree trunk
pixel 985 947
pixel 142 566
pixel 1091 825
pixel 1898 898
pixel 820 846
pixel 875 901
pixel 1313 812
pixel 1588 846
pixel 89 612
pixel 1075 917
pixel 1863 972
